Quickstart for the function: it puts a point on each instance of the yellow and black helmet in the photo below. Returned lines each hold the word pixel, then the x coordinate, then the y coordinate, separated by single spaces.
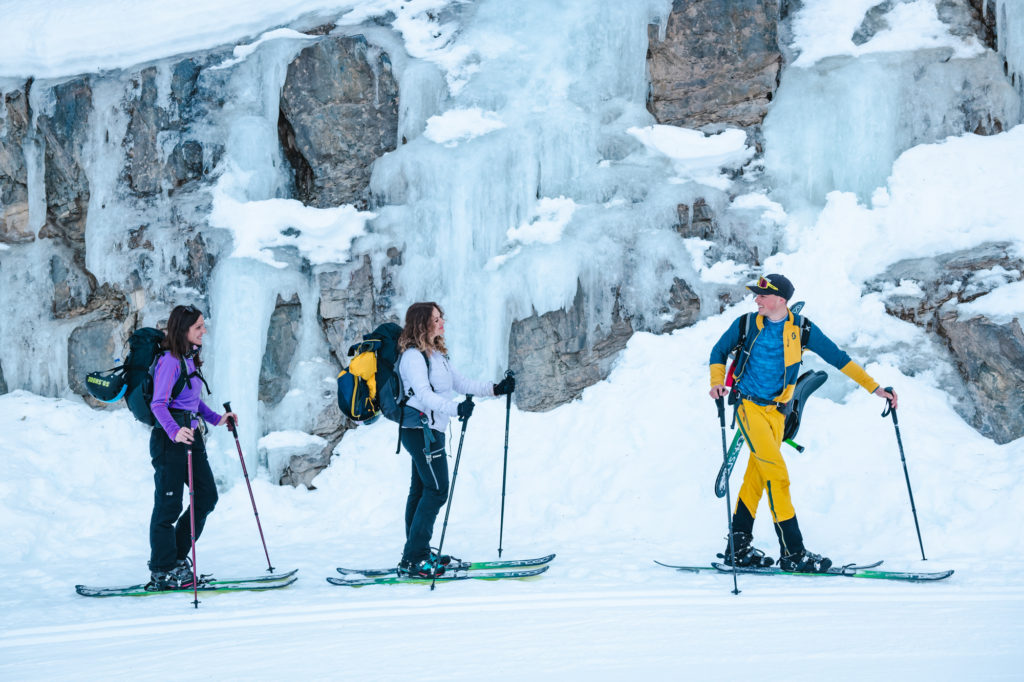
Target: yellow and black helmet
pixel 107 387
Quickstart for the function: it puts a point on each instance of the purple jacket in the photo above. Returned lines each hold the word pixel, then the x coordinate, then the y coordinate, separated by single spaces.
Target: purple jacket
pixel 168 369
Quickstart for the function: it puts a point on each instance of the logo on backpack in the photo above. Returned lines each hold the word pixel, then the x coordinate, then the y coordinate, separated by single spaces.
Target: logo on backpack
pixel 133 380
pixel 370 385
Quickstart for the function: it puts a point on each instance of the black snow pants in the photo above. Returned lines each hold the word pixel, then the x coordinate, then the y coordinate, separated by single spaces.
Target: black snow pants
pixel 169 527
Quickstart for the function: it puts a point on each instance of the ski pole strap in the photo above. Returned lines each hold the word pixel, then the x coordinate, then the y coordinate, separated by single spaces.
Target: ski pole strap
pixel 428 438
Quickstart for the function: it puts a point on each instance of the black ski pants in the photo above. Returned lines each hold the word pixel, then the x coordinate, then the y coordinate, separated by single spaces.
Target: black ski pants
pixel 428 491
pixel 170 529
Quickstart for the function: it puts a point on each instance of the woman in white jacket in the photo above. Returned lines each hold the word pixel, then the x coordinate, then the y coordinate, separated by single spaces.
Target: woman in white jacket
pixel 432 386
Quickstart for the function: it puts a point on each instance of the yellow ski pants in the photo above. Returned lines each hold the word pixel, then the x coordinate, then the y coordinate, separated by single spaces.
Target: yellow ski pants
pixel 763 427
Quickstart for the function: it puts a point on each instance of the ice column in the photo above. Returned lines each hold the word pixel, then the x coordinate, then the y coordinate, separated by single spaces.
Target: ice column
pixel 557 83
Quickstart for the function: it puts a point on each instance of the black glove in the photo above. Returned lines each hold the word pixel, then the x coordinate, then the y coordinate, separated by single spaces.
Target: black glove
pixel 465 409
pixel 505 386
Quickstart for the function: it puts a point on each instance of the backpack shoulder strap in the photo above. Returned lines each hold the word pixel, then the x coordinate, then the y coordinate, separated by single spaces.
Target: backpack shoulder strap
pixel 746 320
pixel 183 379
pixel 805 329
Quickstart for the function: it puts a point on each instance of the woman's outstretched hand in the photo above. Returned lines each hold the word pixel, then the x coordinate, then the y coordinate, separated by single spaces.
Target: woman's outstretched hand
pixel 226 417
pixel 505 386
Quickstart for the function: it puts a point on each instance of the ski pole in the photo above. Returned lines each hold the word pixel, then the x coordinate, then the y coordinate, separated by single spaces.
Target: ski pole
pixel 889 409
pixel 504 468
pixel 451 494
pixel 720 404
pixel 234 432
pixel 192 521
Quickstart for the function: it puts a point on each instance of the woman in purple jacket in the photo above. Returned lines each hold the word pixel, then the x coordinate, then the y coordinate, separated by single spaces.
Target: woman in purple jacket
pixel 179 412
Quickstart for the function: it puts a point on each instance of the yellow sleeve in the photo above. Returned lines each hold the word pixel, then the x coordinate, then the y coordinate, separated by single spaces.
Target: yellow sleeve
pixel 717 374
pixel 857 373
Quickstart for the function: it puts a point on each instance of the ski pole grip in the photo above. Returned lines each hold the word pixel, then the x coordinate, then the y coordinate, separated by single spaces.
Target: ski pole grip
pixel 888 406
pixel 231 422
pixel 720 404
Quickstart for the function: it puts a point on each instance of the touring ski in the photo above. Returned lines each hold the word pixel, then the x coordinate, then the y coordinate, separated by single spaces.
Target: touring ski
pixel 354 581
pixel 848 572
pixel 206 584
pixel 457 565
pixel 713 567
pixel 738 441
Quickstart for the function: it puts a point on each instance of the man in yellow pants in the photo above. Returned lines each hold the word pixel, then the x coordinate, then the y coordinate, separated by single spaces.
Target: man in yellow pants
pixel 770 348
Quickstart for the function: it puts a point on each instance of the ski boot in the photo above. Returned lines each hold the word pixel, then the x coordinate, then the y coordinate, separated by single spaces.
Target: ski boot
pixel 448 561
pixel 177 578
pixel 160 581
pixel 805 562
pixel 746 554
pixel 419 569
pixel 182 570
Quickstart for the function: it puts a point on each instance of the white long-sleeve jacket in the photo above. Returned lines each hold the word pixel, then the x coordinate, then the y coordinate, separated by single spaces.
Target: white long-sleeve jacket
pixel 434 394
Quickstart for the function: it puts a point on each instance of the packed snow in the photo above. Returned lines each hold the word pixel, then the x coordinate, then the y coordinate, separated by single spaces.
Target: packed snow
pixel 609 482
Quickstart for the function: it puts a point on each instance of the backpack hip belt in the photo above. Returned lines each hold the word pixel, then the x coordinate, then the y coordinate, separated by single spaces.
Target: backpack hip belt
pixel 763 402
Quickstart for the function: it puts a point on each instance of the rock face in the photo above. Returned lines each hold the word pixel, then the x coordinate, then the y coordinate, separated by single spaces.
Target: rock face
pixel 988 355
pixel 991 358
pixel 339 113
pixel 13 173
pixel 357 298
pixel 554 350
pixel 65 133
pixel 282 341
pixel 719 63
pixel 955 277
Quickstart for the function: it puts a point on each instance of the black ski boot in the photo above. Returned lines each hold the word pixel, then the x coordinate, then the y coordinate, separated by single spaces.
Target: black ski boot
pixel 805 562
pixel 419 569
pixel 168 580
pixel 746 554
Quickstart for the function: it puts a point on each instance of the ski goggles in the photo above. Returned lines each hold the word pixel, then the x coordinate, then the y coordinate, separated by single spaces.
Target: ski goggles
pixel 772 285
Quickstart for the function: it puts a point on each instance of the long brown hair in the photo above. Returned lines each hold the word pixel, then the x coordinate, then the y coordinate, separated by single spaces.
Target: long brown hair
pixel 180 321
pixel 416 333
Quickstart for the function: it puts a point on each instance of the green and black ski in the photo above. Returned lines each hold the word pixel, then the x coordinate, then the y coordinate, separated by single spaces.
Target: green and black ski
pixel 356 581
pixel 274 581
pixel 456 565
pixel 847 570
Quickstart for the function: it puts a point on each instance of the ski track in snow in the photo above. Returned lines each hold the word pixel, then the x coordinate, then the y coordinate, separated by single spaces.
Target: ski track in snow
pixel 552 627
